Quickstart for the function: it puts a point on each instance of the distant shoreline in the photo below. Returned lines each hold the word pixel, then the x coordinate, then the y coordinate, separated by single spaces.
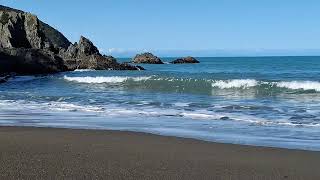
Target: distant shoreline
pixel 173 57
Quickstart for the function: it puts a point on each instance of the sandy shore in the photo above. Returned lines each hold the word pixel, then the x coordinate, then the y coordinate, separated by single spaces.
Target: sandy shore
pixel 42 153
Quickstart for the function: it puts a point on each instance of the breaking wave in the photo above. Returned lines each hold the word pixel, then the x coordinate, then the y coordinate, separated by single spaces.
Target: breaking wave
pixel 236 83
pixel 251 83
pixel 83 70
pixel 305 85
pixel 102 79
pixel 155 82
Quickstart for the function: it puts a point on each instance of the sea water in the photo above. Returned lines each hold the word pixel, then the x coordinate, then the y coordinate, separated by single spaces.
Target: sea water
pixel 263 101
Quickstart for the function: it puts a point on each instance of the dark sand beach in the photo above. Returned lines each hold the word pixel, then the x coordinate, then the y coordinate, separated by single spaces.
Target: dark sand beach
pixel 43 153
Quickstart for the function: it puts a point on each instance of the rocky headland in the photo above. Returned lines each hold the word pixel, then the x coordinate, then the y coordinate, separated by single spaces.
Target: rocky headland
pixel 29 46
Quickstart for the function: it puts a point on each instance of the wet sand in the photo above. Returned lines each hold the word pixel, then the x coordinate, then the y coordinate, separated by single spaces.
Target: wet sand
pixel 45 153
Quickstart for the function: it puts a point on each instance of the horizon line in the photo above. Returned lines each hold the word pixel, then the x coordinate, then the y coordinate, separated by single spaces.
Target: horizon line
pixel 260 56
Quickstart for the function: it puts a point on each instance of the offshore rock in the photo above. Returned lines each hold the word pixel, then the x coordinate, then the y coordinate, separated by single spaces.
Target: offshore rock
pixel 146 58
pixel 185 60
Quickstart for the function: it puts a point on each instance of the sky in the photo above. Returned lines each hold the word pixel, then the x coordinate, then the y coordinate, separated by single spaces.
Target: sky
pixel 185 27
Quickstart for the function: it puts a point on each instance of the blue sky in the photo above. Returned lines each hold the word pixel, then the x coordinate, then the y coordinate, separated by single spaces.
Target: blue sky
pixel 181 27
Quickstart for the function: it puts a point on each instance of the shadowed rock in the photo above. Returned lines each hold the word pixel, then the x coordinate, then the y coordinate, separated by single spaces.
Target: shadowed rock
pixel 28 61
pixel 185 60
pixel 146 58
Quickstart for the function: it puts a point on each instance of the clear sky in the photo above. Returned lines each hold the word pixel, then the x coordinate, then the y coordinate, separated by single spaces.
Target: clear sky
pixel 185 26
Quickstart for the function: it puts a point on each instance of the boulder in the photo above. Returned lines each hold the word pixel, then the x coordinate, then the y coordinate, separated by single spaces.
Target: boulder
pixel 185 60
pixel 146 58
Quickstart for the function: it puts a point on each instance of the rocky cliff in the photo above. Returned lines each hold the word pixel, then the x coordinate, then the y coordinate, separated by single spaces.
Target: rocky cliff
pixel 30 46
pixel 24 30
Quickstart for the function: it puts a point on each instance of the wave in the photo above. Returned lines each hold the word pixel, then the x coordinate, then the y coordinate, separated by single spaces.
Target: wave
pixel 296 85
pixel 194 84
pixel 250 83
pixel 236 83
pixel 119 111
pixel 83 70
pixel 32 106
pixel 103 79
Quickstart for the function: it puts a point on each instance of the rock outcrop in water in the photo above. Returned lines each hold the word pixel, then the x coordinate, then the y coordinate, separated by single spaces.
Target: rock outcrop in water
pixel 185 60
pixel 84 55
pixel 30 46
pixel 146 58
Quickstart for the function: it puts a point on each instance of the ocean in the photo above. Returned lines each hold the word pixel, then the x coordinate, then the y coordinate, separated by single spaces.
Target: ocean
pixel 262 101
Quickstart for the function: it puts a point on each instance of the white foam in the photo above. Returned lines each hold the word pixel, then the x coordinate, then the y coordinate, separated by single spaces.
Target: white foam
pixel 247 83
pixel 63 106
pixel 179 104
pixel 84 70
pixel 235 83
pixel 201 116
pixel 104 79
pixel 295 85
pixel 54 106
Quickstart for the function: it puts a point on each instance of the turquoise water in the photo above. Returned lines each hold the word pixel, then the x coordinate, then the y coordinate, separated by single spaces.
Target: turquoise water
pixel 265 101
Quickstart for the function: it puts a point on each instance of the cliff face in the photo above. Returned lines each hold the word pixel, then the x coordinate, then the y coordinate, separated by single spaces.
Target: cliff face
pixel 24 30
pixel 30 46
